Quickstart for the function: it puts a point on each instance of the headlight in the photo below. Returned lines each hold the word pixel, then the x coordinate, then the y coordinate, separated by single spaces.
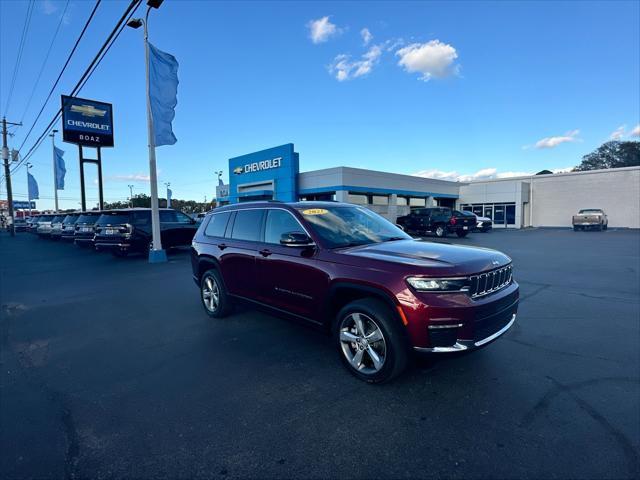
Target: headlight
pixel 438 284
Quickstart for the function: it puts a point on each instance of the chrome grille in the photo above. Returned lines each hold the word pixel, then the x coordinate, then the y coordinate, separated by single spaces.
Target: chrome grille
pixel 489 282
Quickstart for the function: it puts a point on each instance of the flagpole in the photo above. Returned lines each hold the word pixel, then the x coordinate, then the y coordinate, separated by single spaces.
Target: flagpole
pixel 28 189
pixel 156 254
pixel 55 168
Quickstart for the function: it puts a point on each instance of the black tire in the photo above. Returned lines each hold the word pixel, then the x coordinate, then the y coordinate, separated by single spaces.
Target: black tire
pixel 224 305
pixel 606 226
pixel 575 229
pixel 394 349
pixel 441 231
pixel 461 233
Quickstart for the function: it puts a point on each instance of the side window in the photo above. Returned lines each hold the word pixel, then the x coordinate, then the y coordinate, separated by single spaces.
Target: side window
pixel 217 224
pixel 182 218
pixel 168 216
pixel 277 223
pixel 247 225
pixel 142 218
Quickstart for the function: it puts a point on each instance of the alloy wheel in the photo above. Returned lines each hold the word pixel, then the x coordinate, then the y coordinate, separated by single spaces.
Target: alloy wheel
pixel 363 343
pixel 210 294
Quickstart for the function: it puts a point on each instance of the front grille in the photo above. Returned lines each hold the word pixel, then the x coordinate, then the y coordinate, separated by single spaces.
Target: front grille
pixel 489 282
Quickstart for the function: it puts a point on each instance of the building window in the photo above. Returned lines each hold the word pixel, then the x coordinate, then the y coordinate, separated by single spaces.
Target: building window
pixel 358 199
pixel 379 200
pixel 417 202
pixel 402 201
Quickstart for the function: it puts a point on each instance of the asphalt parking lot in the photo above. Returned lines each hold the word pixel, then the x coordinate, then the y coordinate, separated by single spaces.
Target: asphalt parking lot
pixel 110 368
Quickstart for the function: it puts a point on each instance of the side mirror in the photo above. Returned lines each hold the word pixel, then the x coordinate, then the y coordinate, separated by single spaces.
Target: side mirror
pixel 295 239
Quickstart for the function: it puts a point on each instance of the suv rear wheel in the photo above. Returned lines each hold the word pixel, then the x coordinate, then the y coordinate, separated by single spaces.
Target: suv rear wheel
pixel 370 342
pixel 214 296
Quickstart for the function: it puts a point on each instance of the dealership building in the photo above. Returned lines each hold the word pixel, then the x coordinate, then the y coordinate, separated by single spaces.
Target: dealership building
pixel 516 202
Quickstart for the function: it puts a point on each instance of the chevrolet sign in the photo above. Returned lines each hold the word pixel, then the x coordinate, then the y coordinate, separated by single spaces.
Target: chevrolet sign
pixel 259 166
pixel 87 122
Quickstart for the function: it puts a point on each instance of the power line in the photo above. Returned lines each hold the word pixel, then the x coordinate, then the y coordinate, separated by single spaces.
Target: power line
pixel 85 77
pixel 16 68
pixel 46 57
pixel 75 46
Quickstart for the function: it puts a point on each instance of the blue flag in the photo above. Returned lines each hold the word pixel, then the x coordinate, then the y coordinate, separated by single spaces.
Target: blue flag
pixel 60 168
pixel 32 188
pixel 163 93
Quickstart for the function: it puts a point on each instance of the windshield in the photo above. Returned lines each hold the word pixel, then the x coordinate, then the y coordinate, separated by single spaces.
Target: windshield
pixel 113 218
pixel 58 219
pixel 70 219
pixel 88 218
pixel 350 226
pixel 45 218
pixel 590 210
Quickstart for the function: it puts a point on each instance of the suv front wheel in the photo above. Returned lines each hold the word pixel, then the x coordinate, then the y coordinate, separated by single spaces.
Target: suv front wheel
pixel 370 341
pixel 214 296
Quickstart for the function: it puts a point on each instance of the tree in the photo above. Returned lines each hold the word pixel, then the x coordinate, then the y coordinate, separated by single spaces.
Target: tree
pixel 612 154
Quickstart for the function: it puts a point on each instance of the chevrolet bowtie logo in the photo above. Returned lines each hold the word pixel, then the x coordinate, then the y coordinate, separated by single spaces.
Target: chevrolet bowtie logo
pixel 238 170
pixel 88 110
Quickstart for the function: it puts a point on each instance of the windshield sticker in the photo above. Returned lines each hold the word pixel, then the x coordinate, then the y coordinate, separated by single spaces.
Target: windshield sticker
pixel 315 211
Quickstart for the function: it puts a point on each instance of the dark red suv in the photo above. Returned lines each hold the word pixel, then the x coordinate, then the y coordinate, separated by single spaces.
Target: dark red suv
pixel 344 268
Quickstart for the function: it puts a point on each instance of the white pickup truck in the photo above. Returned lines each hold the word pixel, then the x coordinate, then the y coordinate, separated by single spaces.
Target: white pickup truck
pixel 590 218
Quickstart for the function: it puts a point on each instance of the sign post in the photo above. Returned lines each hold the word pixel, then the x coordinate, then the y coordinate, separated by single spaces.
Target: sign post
pixel 87 123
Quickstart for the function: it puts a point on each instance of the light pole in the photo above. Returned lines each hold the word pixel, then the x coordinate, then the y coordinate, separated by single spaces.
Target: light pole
pixel 55 168
pixel 156 253
pixel 168 184
pixel 29 165
pixel 130 195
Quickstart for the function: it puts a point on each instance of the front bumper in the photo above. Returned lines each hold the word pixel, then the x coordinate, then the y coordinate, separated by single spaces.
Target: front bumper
pixel 462 345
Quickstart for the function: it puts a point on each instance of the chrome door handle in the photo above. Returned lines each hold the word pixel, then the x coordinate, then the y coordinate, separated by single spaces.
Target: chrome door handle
pixel 265 252
pixel 222 246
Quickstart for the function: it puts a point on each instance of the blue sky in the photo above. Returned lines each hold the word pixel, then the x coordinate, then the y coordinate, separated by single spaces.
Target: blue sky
pixel 448 89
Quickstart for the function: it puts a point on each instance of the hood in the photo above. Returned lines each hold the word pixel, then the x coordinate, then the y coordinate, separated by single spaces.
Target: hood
pixel 457 259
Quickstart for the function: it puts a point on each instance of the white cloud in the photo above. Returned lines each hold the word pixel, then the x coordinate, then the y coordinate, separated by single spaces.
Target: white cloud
pixel 454 176
pixel 618 133
pixel 366 36
pixel 132 177
pixel 635 132
pixel 49 7
pixel 552 142
pixel 344 68
pixel 433 59
pixel 322 29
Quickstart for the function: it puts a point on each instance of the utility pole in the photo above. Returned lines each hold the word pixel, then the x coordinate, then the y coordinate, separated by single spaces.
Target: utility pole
pixel 55 168
pixel 130 195
pixel 168 184
pixel 7 174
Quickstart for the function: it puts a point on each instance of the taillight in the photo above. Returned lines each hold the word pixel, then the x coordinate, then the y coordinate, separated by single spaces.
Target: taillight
pixel 452 221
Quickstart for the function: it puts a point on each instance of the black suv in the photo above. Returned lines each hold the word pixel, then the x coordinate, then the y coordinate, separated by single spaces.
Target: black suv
pixel 129 230
pixel 84 228
pixel 68 226
pixel 437 220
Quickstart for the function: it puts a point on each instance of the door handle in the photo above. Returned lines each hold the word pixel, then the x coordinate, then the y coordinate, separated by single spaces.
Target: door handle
pixel 222 246
pixel 265 252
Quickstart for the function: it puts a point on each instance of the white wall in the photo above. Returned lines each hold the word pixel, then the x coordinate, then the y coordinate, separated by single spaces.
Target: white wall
pixel 554 199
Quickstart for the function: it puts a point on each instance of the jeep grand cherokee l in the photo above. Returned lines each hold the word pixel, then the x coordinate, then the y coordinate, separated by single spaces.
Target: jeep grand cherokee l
pixel 129 230
pixel 348 270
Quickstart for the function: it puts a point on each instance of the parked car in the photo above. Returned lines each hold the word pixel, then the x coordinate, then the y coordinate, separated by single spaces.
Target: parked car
pixel 56 226
pixel 32 224
pixel 483 224
pixel 199 217
pixel 590 219
pixel 20 225
pixel 437 220
pixel 346 269
pixel 43 228
pixel 69 226
pixel 129 230
pixel 84 228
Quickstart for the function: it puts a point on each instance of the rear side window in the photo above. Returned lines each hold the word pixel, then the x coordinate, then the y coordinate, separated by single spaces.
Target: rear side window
pixel 88 218
pixel 247 225
pixel 217 224
pixel 168 216
pixel 277 223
